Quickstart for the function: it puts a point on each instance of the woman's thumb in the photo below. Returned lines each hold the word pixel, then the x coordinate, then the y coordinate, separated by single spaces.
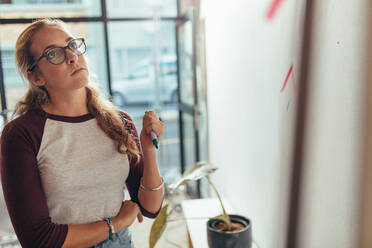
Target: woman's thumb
pixel 139 217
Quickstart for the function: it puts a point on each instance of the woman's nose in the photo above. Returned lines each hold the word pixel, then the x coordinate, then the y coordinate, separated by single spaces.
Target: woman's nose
pixel 71 57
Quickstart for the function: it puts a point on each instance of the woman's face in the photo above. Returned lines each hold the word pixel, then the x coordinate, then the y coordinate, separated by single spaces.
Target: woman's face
pixel 71 74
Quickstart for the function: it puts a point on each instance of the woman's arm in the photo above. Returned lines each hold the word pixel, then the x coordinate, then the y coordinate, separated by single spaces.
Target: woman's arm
pixel 149 201
pixel 23 193
pixel 87 235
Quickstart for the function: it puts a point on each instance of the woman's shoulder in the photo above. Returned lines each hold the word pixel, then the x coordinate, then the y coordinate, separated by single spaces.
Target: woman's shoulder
pixel 126 118
pixel 127 121
pixel 124 115
pixel 31 120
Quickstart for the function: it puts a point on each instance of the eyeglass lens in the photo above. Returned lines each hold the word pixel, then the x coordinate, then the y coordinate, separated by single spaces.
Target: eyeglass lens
pixel 57 55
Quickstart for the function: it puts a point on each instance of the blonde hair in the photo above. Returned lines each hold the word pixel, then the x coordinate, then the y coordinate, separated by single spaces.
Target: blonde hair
pixel 108 117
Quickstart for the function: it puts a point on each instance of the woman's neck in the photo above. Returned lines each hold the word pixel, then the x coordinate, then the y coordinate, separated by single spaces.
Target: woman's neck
pixel 74 104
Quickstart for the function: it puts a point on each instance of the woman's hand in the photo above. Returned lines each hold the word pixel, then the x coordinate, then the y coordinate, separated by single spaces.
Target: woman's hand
pixel 150 122
pixel 127 214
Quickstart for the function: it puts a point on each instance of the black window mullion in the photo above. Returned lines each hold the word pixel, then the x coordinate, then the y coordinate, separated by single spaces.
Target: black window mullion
pixel 86 19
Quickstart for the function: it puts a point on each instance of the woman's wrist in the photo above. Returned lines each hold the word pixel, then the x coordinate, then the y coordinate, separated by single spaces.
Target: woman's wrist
pixel 149 151
pixel 149 155
pixel 118 224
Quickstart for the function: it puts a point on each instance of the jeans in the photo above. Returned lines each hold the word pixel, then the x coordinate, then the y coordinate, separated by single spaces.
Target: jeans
pixel 122 239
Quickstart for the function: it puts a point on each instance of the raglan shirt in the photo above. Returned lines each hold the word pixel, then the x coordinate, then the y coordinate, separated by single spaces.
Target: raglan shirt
pixel 58 170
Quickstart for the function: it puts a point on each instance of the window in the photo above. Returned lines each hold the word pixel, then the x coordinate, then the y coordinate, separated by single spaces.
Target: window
pixel 137 86
pixel 142 72
pixel 9 69
pixel 142 8
pixel 168 68
pixel 138 81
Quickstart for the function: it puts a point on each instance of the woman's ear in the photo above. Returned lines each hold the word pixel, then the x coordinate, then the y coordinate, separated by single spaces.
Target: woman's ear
pixel 34 77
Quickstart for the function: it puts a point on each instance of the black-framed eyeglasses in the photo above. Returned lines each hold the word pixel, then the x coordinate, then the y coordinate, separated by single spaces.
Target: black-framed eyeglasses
pixel 56 55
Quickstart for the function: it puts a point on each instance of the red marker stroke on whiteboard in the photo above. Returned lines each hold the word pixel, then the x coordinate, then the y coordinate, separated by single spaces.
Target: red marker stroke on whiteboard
pixel 273 9
pixel 286 79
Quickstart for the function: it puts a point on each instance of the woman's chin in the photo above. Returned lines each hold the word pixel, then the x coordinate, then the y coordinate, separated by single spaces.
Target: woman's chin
pixel 80 83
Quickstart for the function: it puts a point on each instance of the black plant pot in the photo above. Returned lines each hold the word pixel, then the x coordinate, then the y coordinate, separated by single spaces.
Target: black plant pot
pixel 233 239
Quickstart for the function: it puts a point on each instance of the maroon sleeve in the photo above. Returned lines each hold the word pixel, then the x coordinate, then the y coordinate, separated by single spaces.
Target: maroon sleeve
pixel 136 170
pixel 22 189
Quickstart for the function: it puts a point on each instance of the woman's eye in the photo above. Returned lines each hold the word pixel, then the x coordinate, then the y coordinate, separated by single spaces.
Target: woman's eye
pixel 51 54
pixel 73 45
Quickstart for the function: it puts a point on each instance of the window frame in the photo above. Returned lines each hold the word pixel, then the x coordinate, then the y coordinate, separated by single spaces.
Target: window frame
pixel 94 19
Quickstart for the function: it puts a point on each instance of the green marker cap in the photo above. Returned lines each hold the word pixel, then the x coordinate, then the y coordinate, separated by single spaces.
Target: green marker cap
pixel 156 143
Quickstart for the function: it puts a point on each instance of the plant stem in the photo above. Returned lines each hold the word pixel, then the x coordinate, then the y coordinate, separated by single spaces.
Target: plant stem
pixel 223 208
pixel 218 195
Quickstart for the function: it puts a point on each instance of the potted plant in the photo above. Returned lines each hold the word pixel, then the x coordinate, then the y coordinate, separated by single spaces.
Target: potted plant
pixel 224 230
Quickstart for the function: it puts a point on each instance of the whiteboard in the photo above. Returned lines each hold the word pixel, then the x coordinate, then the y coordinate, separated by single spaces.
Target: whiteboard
pixel 251 106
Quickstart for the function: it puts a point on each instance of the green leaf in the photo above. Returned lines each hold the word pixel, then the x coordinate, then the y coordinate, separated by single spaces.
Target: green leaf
pixel 225 218
pixel 158 226
pixel 199 170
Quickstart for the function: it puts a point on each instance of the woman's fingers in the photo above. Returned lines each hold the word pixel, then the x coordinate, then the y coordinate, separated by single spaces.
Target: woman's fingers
pixel 139 217
pixel 158 128
pixel 152 123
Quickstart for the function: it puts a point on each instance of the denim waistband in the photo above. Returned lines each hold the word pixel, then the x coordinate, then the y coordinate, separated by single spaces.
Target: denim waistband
pixel 122 239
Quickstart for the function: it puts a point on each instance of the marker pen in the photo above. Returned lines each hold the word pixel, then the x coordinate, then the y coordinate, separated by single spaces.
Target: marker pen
pixel 154 138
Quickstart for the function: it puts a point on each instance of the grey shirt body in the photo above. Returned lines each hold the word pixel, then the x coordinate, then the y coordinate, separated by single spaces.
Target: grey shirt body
pixel 82 173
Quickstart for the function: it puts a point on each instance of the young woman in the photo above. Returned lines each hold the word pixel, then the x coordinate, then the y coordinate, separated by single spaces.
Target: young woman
pixel 67 156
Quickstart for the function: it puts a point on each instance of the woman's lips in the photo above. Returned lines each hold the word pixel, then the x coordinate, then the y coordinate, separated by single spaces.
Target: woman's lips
pixel 77 71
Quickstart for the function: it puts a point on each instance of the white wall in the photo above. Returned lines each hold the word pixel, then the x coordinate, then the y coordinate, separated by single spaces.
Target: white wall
pixel 251 123
pixel 335 125
pixel 248 58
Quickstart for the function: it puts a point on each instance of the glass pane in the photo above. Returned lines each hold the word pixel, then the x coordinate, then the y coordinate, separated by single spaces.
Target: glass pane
pixel 141 8
pixel 185 38
pixel 135 50
pixel 136 80
pixel 14 85
pixel 169 153
pixel 189 148
pixel 49 8
pixel 96 52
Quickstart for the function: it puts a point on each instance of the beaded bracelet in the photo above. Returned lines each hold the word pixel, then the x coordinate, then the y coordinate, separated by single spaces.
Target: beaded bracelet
pixel 111 228
pixel 154 189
